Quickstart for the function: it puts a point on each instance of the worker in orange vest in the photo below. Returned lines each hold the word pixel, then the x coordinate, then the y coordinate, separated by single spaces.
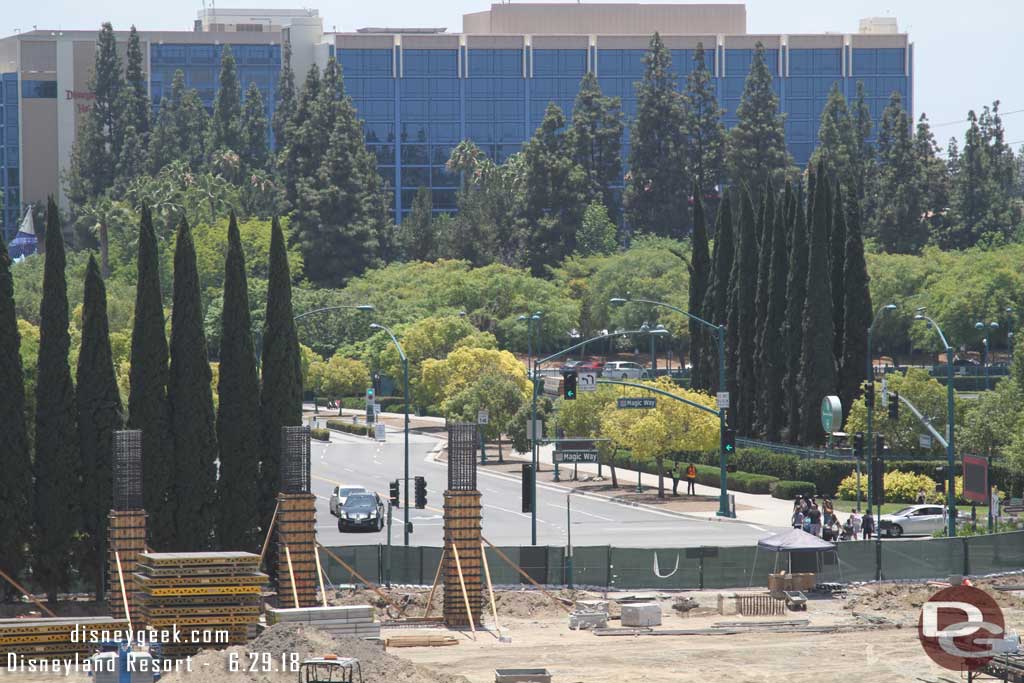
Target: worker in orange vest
pixel 691 479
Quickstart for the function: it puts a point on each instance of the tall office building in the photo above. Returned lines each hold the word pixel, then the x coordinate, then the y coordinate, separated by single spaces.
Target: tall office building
pixel 422 90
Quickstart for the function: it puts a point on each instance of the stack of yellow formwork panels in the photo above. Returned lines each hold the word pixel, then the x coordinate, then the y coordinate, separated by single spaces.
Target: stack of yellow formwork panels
pixel 208 599
pixel 57 637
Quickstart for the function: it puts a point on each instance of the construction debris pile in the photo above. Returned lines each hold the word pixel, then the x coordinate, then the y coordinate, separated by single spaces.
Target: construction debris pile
pixel 51 638
pixel 210 594
pixel 356 621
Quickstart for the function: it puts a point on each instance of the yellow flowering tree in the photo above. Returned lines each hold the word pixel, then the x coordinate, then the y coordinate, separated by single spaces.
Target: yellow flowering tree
pixel 443 379
pixel 671 427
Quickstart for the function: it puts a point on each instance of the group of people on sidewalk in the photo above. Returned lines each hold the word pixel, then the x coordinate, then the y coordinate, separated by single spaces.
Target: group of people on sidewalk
pixel 822 521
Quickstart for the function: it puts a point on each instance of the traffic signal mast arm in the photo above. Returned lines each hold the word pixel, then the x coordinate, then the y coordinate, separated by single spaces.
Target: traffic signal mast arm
pixel 922 419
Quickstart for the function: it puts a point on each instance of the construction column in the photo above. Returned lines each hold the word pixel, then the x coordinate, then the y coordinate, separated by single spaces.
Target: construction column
pixel 126 528
pixel 462 530
pixel 296 523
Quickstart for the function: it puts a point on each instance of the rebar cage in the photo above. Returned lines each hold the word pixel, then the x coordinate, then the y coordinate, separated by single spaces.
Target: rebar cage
pixel 127 466
pixel 295 459
pixel 462 445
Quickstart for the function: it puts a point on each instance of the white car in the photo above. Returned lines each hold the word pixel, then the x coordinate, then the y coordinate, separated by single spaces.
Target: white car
pixel 340 495
pixel 913 520
pixel 620 369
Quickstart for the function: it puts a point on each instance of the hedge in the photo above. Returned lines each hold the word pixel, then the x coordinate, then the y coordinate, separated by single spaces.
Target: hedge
pixel 788 490
pixel 320 434
pixel 342 426
pixel 744 482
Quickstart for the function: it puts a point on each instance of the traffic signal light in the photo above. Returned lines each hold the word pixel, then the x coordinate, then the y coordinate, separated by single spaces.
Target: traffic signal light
pixel 869 394
pixel 370 394
pixel 940 480
pixel 858 445
pixel 894 406
pixel 527 487
pixel 879 445
pixel 569 380
pixel 421 493
pixel 877 481
pixel 393 486
pixel 729 441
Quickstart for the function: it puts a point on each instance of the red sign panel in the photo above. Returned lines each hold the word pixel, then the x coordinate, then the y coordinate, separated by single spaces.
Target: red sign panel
pixel 976 479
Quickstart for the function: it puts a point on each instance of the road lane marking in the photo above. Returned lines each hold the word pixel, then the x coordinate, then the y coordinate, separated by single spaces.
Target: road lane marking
pixel 582 512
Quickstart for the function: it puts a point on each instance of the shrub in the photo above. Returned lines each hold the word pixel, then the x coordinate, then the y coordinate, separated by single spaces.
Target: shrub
pixel 763 461
pixel 900 487
pixel 342 426
pixel 826 474
pixel 745 482
pixel 320 434
pixel 788 490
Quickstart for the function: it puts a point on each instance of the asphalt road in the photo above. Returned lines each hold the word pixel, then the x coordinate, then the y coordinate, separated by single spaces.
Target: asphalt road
pixel 354 460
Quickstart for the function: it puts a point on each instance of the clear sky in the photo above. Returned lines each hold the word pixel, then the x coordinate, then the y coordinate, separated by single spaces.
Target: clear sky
pixel 963 50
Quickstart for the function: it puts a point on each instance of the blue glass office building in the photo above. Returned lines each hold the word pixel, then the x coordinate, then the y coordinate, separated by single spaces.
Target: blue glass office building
pixel 421 94
pixel 421 91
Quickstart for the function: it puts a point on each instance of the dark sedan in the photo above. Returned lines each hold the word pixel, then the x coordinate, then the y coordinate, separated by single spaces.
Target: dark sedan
pixel 362 511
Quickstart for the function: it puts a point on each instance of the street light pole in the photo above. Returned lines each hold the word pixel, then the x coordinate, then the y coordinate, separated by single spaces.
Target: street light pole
pixel 986 346
pixel 1009 331
pixel 723 498
pixel 532 369
pixel 405 377
pixel 869 375
pixel 950 474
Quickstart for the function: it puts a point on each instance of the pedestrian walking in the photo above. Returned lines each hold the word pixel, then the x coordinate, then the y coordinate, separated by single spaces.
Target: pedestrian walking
pixel 798 519
pixel 855 521
pixel 691 479
pixel 868 524
pixel 921 500
pixel 814 514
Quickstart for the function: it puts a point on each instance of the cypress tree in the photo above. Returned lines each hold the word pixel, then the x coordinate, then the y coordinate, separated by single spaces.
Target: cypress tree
pixel 716 298
pixel 771 360
pixel 837 263
pixel 837 139
pixel 745 281
pixel 15 458
pixel 756 149
pixel 282 372
pixel 704 129
pixel 190 404
pixel 226 125
pixel 817 362
pixel 656 187
pixel 700 267
pixel 595 140
pixel 764 230
pixel 284 105
pixel 147 398
pixel 792 334
pixel 58 461
pixel 253 151
pixel 858 310
pixel 99 414
pixel 238 411
pixel 862 162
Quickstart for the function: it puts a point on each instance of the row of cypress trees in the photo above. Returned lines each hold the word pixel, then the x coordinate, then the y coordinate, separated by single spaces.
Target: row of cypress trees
pixel 789 281
pixel 54 505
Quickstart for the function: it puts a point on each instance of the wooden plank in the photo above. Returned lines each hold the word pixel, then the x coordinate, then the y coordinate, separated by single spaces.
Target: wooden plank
pixel 24 592
pixel 462 583
pixel 527 576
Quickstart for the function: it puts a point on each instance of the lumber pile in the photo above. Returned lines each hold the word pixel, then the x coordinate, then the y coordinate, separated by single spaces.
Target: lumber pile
pixel 352 620
pixel 51 637
pixel 420 641
pixel 216 594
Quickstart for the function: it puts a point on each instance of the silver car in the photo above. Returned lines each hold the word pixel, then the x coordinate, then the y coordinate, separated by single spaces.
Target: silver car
pixel 620 369
pixel 913 520
pixel 340 495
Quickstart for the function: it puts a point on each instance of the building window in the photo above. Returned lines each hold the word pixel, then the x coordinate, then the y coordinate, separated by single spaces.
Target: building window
pixel 249 28
pixel 46 90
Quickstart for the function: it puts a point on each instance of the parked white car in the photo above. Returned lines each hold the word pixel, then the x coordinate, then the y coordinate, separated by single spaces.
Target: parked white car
pixel 340 495
pixel 913 520
pixel 620 369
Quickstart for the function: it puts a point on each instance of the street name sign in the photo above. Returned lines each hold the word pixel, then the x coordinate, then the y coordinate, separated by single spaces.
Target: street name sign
pixel 924 440
pixel 573 451
pixel 637 402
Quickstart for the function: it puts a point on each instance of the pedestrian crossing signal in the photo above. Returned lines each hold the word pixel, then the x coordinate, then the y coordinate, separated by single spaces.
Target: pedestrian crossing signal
pixel 393 486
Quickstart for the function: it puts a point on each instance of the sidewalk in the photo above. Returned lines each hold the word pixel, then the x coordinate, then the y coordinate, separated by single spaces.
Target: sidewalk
pixel 759 509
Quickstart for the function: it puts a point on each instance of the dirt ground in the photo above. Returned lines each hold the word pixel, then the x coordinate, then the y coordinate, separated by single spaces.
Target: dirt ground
pixel 875 640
